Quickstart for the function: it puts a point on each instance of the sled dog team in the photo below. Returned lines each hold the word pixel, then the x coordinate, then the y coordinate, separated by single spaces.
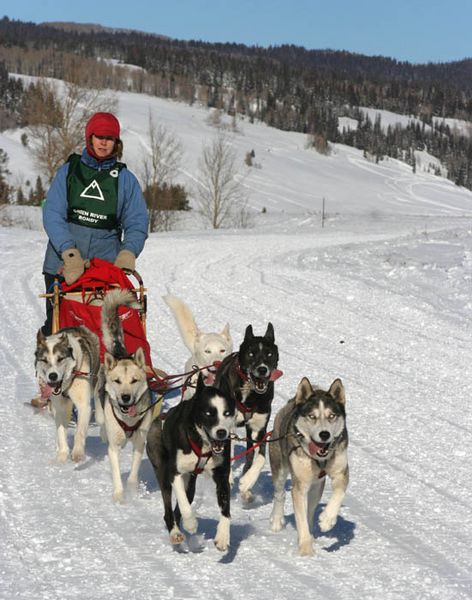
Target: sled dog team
pixel 308 442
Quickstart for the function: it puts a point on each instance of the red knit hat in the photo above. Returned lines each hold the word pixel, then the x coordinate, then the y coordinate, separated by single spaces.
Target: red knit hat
pixel 102 123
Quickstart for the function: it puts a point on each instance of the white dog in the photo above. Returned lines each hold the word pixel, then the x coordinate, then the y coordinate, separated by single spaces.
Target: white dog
pixel 205 348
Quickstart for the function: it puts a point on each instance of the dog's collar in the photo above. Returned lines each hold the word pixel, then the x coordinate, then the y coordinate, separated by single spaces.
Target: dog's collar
pixel 203 457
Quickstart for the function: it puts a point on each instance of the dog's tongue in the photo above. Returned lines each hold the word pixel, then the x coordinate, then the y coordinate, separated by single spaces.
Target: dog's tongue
pixel 210 378
pixel 132 411
pixel 276 373
pixel 46 391
pixel 314 448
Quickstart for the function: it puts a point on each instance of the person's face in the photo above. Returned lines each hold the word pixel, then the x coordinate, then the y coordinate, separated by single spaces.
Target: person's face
pixel 103 145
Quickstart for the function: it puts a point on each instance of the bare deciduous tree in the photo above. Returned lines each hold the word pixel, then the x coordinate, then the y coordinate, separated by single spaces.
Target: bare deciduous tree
pixel 57 120
pixel 219 192
pixel 161 164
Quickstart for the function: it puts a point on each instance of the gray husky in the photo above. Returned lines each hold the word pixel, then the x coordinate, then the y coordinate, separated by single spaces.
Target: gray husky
pixel 123 407
pixel 311 443
pixel 66 366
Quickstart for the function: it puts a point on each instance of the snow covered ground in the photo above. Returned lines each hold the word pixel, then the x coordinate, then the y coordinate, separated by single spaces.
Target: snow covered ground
pixel 381 297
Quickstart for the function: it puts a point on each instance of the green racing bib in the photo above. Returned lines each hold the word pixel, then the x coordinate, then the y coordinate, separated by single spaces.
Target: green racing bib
pixel 92 196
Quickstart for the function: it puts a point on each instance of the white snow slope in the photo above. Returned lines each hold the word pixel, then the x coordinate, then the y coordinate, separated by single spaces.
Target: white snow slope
pixel 381 297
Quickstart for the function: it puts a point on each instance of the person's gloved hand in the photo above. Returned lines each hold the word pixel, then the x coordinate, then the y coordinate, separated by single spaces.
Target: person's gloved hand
pixel 74 265
pixel 125 260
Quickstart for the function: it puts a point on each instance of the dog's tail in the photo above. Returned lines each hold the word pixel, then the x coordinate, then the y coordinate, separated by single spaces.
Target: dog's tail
pixel 112 330
pixel 184 319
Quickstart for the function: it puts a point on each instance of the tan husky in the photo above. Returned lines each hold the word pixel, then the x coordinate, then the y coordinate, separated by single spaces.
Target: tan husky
pixel 123 399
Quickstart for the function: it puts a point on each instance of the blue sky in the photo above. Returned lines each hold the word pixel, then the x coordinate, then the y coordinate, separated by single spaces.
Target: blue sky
pixel 414 30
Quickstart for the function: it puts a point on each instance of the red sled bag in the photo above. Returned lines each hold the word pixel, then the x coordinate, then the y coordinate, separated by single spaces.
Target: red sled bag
pixel 80 305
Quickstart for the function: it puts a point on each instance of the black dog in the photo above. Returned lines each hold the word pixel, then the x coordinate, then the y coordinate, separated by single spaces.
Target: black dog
pixel 191 438
pixel 248 377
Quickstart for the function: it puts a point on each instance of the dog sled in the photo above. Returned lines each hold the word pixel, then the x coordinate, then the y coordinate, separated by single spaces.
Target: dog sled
pixel 79 304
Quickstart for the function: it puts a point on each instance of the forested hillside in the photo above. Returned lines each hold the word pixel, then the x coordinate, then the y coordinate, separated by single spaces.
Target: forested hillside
pixel 287 87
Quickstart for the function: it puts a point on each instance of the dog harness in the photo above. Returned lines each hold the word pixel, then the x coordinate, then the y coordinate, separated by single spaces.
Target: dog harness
pixel 203 457
pixel 246 411
pixel 128 429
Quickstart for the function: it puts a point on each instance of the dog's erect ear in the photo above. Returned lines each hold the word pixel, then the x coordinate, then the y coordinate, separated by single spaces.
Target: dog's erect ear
pixel 139 358
pixel 249 333
pixel 269 334
pixel 109 361
pixel 337 391
pixel 40 337
pixel 200 384
pixel 304 391
pixel 225 333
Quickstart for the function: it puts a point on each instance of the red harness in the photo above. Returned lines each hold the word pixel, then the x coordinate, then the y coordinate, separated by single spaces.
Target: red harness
pixel 205 456
pixel 128 429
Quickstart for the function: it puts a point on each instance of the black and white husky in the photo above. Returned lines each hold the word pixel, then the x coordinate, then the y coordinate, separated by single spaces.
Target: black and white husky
pixel 310 443
pixel 66 366
pixel 191 439
pixel 248 377
pixel 123 399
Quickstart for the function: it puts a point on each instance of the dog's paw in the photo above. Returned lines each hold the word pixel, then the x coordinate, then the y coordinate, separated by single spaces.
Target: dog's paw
pixel 118 496
pixel 221 543
pixel 176 537
pixel 78 454
pixel 327 521
pixel 221 540
pixel 62 456
pixel 190 523
pixel 277 523
pixel 306 548
pixel 132 487
pixel 247 496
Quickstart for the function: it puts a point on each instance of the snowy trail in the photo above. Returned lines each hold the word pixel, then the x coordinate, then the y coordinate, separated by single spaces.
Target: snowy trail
pixel 339 309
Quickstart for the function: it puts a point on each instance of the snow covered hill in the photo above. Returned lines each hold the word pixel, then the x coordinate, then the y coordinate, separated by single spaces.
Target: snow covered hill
pixel 381 297
pixel 291 179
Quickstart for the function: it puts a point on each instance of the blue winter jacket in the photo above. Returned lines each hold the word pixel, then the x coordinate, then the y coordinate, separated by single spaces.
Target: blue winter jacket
pixel 94 243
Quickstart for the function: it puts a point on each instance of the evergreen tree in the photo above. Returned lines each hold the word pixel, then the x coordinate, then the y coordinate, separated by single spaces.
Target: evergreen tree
pixel 4 172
